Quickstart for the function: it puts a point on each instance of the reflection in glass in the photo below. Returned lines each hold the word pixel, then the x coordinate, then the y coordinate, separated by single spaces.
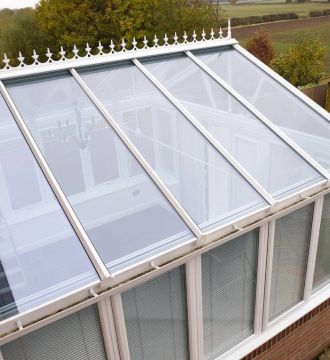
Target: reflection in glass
pixel 209 189
pixel 40 256
pixel 264 155
pixel 122 211
pixel 304 125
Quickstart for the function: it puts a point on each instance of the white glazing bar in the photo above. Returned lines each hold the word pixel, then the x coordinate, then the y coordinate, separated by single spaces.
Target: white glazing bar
pixel 199 305
pixel 193 292
pixel 317 217
pixel 118 314
pixel 1 357
pixel 261 278
pixel 156 179
pixel 93 255
pixel 262 118
pixel 269 268
pixel 235 164
pixel 108 329
pixel 283 82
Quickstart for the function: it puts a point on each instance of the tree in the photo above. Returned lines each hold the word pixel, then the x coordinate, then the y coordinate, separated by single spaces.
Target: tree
pixel 69 22
pixel 301 64
pixel 22 33
pixel 261 46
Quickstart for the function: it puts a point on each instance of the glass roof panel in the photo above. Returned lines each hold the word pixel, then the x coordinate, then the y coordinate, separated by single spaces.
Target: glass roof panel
pixel 304 125
pixel 123 212
pixel 209 189
pixel 279 169
pixel 41 257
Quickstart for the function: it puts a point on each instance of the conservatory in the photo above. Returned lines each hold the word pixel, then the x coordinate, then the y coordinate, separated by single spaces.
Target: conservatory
pixel 163 200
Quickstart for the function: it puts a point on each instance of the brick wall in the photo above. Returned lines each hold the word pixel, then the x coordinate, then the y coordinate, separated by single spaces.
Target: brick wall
pixel 303 340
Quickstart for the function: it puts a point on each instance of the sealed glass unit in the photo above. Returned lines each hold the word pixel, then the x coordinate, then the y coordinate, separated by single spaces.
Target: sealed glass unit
pixel 229 287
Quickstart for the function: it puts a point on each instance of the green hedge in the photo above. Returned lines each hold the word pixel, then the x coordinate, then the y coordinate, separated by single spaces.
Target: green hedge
pixel 249 20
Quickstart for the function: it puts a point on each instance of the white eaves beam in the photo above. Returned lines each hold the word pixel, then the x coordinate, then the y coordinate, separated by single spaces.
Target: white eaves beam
pixel 142 161
pixel 233 162
pixel 312 162
pixel 93 255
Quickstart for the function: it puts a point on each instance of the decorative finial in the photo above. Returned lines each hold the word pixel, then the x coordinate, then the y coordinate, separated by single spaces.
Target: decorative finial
pixel 229 30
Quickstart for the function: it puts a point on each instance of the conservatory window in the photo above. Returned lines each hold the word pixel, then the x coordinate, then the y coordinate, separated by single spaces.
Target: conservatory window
pixel 76 337
pixel 156 318
pixel 291 247
pixel 229 287
pixel 322 264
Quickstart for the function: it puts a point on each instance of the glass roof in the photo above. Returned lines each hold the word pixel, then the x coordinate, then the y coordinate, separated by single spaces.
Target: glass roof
pixel 237 129
pixel 202 162
pixel 310 130
pixel 41 258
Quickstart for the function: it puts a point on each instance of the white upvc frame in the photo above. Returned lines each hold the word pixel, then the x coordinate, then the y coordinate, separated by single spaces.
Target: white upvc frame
pixel 194 307
pixel 220 149
pixel 299 94
pixel 315 232
pixel 119 318
pixel 93 255
pixel 108 329
pixel 275 129
pixel 141 160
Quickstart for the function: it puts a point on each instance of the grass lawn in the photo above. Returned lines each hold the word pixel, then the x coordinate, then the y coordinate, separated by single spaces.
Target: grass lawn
pixel 235 11
pixel 283 35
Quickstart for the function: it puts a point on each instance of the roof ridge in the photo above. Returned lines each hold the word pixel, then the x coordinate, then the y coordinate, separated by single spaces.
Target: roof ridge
pixel 135 47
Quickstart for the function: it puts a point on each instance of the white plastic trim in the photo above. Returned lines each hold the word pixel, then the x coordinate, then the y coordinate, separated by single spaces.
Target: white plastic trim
pixel 108 329
pixel 93 255
pixel 312 162
pixel 269 268
pixel 235 164
pixel 132 148
pixel 312 104
pixel 317 217
pixel 1 357
pixel 145 48
pixel 194 307
pixel 261 278
pixel 118 314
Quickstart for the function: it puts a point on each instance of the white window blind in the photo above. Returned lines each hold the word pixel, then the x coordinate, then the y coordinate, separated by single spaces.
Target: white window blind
pixel 229 278
pixel 76 337
pixel 156 318
pixel 291 246
pixel 322 264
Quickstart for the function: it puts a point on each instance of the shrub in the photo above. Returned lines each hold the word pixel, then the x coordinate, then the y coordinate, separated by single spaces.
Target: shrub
pixel 261 46
pixel 326 12
pixel 315 13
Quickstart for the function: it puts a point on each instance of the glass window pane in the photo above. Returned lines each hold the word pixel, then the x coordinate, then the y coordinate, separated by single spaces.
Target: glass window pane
pixel 322 264
pixel 122 211
pixel 238 130
pixel 209 189
pixel 76 337
pixel 291 246
pixel 229 281
pixel 156 318
pixel 41 257
pixel 305 126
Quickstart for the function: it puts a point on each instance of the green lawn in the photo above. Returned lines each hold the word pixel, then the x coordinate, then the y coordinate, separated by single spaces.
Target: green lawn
pixel 285 38
pixel 235 11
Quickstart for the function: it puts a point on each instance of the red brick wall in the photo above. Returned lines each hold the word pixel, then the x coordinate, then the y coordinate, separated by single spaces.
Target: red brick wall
pixel 303 340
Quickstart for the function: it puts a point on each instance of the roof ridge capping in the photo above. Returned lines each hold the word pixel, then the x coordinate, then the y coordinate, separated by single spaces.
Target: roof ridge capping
pixel 135 47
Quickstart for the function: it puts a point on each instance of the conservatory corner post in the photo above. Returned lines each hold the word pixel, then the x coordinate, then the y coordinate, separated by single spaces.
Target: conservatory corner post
pixel 194 307
pixel 274 128
pixel 93 255
pixel 268 278
pixel 233 162
pixel 261 278
pixel 108 329
pixel 118 314
pixel 317 217
pixel 141 160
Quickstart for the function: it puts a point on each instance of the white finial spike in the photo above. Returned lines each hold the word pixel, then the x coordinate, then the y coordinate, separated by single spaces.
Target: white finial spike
pixel 166 40
pixel 21 59
pixel 112 47
pixel 155 40
pixel 145 42
pixel 175 37
pixel 220 33
pixel 100 48
pixel 35 57
pixel 212 34
pixel 185 37
pixel 49 56
pixel 134 43
pixel 6 61
pixel 123 45
pixel 75 51
pixel 194 36
pixel 62 53
pixel 203 35
pixel 229 29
